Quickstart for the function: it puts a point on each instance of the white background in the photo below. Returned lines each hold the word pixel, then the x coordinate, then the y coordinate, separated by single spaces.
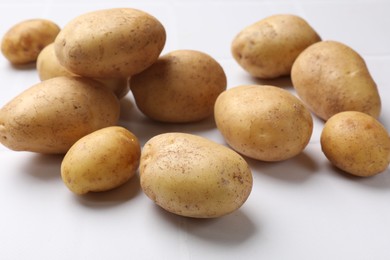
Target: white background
pixel 302 208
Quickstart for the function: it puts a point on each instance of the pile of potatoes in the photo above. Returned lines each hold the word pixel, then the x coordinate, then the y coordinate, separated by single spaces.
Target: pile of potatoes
pixel 96 59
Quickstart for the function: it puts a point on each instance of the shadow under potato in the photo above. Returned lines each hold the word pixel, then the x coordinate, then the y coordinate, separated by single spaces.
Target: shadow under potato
pixel 228 230
pixel 378 181
pixel 296 169
pixel 282 82
pixel 145 128
pixel 45 167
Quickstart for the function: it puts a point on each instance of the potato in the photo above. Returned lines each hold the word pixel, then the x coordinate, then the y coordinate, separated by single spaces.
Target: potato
pixel 192 176
pixel 24 41
pixel 330 77
pixel 180 87
pixel 110 43
pixel 356 143
pixel 263 122
pixel 51 116
pixel 101 160
pixel 268 48
pixel 49 67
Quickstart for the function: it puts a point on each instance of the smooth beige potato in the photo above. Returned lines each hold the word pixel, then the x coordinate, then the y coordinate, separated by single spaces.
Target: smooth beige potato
pixel 110 43
pixel 49 67
pixel 180 87
pixel 356 143
pixel 266 123
pixel 25 40
pixel 267 49
pixel 192 176
pixel 101 161
pixel 52 115
pixel 330 77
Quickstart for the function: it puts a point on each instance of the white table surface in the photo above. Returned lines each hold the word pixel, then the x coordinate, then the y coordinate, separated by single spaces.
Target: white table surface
pixel 302 208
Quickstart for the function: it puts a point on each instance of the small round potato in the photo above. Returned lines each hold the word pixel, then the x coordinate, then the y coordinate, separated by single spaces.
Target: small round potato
pixel 267 49
pixel 110 43
pixel 192 176
pixel 330 77
pixel 49 67
pixel 101 161
pixel 180 87
pixel 24 41
pixel 52 115
pixel 266 123
pixel 356 143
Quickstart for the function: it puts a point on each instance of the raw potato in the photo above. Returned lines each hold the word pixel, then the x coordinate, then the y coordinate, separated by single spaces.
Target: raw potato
pixel 24 41
pixel 330 77
pixel 110 43
pixel 266 123
pixel 49 67
pixel 180 87
pixel 268 48
pixel 101 161
pixel 52 115
pixel 356 143
pixel 192 176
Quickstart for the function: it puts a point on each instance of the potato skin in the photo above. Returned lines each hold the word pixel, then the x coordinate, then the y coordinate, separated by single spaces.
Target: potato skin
pixel 356 143
pixel 110 43
pixel 52 115
pixel 192 176
pixel 267 49
pixel 49 67
pixel 101 161
pixel 25 40
pixel 263 122
pixel 330 77
pixel 180 87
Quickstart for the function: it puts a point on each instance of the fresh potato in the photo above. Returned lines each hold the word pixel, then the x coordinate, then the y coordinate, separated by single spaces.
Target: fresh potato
pixel 192 176
pixel 263 122
pixel 101 160
pixel 24 41
pixel 51 116
pixel 356 143
pixel 110 43
pixel 180 87
pixel 330 77
pixel 49 67
pixel 267 49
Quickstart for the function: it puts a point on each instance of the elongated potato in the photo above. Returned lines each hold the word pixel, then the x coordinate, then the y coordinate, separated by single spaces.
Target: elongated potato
pixel 267 49
pixel 51 116
pixel 330 77
pixel 110 43
pixel 192 176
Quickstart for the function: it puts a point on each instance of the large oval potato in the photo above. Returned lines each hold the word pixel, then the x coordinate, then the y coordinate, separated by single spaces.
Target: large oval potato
pixel 356 143
pixel 49 67
pixel 331 77
pixel 267 49
pixel 192 176
pixel 24 41
pixel 101 160
pixel 180 87
pixel 110 43
pixel 263 122
pixel 52 115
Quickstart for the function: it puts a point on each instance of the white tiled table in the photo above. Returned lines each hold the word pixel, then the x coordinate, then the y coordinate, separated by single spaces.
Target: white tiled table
pixel 299 209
